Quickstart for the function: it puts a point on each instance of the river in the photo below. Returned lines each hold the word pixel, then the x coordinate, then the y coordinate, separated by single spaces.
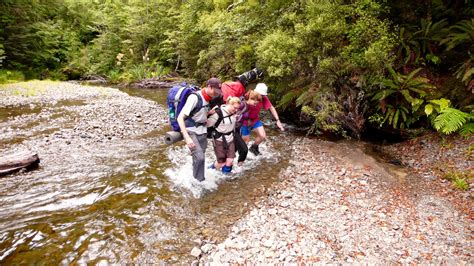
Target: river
pixel 121 202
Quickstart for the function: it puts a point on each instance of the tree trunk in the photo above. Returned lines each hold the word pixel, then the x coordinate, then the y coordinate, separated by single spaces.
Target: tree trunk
pixel 15 162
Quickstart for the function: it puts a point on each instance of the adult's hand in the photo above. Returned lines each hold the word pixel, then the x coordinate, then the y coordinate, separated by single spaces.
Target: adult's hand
pixel 190 143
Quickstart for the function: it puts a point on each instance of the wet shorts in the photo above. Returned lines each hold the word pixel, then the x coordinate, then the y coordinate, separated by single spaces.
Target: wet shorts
pixel 245 130
pixel 222 153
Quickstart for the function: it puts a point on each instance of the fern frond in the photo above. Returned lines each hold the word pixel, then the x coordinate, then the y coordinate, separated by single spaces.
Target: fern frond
pixel 467 129
pixel 413 73
pixel 288 98
pixel 450 120
pixel 383 94
pixel 305 98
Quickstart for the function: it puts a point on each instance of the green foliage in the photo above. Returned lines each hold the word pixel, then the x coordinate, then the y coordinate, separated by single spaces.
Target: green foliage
pixel 245 58
pixel 10 76
pixel 462 35
pixel 409 49
pixel 317 54
pixel 324 118
pixel 429 36
pixel 370 39
pixel 450 120
pixel 447 120
pixel 2 54
pixel 458 179
pixel 401 97
pixel 277 52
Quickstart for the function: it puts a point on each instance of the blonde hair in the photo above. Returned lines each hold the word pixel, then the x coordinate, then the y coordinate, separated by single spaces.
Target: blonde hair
pixel 253 95
pixel 232 100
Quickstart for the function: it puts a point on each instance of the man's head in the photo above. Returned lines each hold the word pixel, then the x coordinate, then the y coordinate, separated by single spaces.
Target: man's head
pixel 213 87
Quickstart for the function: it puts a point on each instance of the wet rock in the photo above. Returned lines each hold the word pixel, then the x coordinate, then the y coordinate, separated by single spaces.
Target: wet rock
pixel 206 248
pixel 196 252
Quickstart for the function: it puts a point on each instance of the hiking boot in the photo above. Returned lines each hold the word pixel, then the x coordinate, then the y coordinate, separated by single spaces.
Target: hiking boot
pixel 211 166
pixel 254 149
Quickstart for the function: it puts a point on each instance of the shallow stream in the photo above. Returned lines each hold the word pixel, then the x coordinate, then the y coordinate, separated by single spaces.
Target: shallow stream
pixel 135 201
pixel 126 201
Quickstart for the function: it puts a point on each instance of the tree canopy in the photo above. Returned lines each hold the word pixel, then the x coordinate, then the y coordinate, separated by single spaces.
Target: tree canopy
pixel 341 65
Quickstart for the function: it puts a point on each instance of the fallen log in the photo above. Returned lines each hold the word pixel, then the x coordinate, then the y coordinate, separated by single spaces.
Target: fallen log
pixel 17 161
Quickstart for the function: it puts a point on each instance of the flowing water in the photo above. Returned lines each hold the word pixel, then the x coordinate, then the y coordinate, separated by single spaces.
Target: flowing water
pixel 135 202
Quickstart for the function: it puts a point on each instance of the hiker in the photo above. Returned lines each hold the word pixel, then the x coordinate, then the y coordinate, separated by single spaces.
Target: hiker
pixel 223 121
pixel 252 122
pixel 195 134
pixel 236 89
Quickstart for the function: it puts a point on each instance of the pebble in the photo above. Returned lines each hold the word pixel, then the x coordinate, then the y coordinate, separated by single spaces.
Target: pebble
pixel 206 248
pixel 196 252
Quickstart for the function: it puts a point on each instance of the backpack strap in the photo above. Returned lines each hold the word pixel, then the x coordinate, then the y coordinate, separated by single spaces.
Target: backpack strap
pixel 197 108
pixel 219 118
pixel 216 134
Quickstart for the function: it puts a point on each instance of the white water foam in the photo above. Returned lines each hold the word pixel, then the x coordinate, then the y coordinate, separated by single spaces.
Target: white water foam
pixel 181 174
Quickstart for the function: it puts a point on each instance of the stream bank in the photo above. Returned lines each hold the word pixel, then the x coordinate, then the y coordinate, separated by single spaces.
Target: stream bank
pixel 335 204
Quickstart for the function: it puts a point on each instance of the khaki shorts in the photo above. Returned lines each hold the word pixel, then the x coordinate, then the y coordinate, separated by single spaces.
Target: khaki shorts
pixel 222 153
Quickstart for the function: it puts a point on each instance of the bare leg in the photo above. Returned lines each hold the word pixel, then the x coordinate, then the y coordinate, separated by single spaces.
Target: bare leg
pixel 261 135
pixel 229 161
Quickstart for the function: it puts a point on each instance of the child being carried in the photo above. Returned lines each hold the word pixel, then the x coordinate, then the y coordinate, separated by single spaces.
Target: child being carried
pixel 223 121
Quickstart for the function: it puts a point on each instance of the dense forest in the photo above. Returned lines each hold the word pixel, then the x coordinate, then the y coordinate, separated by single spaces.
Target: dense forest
pixel 340 66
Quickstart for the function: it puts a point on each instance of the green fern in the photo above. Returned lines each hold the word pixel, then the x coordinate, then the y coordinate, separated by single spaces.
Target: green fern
pixel 289 98
pixel 462 32
pixel 403 95
pixel 467 129
pixel 450 120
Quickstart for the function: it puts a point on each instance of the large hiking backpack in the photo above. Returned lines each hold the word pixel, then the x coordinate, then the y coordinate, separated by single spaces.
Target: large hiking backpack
pixel 176 99
pixel 250 76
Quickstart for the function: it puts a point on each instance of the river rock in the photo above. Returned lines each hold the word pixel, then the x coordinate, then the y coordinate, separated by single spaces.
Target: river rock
pixel 196 252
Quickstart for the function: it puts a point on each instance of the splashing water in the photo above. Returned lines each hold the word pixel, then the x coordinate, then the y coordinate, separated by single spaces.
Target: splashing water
pixel 181 174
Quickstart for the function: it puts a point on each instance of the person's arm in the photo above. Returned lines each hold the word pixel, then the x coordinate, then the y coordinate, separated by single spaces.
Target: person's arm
pixel 211 120
pixel 277 118
pixel 268 106
pixel 188 106
pixel 184 132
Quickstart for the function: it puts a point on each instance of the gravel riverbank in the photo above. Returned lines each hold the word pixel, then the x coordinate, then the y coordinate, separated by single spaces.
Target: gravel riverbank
pixel 338 207
pixel 74 127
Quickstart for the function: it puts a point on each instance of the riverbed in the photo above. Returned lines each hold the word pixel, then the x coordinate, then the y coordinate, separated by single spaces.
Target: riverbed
pixel 109 190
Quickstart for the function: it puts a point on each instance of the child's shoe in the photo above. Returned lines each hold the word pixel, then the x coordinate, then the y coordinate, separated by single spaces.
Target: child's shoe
pixel 226 169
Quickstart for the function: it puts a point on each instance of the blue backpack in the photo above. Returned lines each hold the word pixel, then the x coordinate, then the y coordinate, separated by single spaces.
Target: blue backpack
pixel 176 99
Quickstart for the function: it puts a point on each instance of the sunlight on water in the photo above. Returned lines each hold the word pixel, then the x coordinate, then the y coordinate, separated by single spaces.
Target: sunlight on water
pixel 181 174
pixel 70 203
